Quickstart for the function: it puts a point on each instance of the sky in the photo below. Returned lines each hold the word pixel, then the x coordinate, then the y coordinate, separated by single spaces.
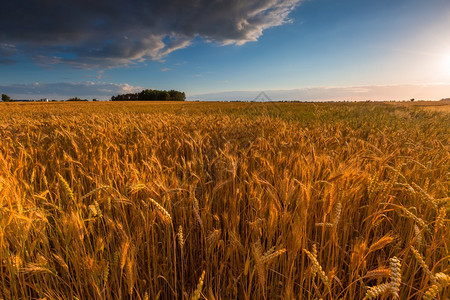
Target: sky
pixel 307 50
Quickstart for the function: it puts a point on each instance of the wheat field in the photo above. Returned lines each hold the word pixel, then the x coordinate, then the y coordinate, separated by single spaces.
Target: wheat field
pixel 224 201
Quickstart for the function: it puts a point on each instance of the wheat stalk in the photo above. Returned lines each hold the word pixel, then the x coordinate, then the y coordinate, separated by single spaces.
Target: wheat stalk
pixel 375 291
pixel 317 268
pixel 166 215
pixel 268 257
pixel 396 278
pixel 422 263
pixel 197 213
pixel 180 236
pixel 66 187
pixel 440 218
pixel 381 243
pixel 257 253
pixel 378 273
pixel 392 287
pixel 198 290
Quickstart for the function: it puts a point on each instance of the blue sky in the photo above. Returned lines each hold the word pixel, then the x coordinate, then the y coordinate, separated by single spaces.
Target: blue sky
pixel 305 50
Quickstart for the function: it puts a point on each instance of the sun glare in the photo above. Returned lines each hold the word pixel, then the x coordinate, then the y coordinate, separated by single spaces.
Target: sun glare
pixel 446 63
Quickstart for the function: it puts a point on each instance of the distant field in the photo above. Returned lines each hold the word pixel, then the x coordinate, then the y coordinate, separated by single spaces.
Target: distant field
pixel 234 108
pixel 215 200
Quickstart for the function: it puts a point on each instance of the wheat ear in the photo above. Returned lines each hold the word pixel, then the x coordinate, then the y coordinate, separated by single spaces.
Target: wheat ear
pixel 165 213
pixel 377 290
pixel 198 290
pixel 396 277
pixel 65 186
pixel 317 268
pixel 422 263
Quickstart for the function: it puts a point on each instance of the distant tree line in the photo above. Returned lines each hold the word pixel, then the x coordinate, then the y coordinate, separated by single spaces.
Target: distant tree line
pixel 6 98
pixel 149 95
pixel 76 99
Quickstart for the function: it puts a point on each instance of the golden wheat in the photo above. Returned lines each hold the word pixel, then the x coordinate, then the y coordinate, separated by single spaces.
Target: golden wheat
pixel 217 201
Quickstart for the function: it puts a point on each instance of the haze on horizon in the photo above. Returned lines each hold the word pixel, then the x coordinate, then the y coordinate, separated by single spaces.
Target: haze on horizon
pixel 308 50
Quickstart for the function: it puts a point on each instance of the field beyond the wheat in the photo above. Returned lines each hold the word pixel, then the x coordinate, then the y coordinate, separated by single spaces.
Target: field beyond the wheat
pixel 224 200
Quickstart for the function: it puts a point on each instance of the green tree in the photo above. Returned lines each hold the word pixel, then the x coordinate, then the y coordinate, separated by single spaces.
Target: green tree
pixel 151 95
pixel 6 98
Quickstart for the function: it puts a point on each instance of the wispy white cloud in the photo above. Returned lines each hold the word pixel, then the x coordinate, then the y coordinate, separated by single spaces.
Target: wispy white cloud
pixel 348 93
pixel 104 90
pixel 65 90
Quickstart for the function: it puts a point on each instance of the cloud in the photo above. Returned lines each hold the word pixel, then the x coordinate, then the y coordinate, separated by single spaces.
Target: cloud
pixel 6 52
pixel 100 75
pixel 104 90
pixel 350 93
pixel 7 61
pixel 64 90
pixel 165 69
pixel 95 34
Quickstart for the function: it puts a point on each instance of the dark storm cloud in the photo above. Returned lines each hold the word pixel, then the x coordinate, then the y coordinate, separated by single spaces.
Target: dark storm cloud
pixel 91 34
